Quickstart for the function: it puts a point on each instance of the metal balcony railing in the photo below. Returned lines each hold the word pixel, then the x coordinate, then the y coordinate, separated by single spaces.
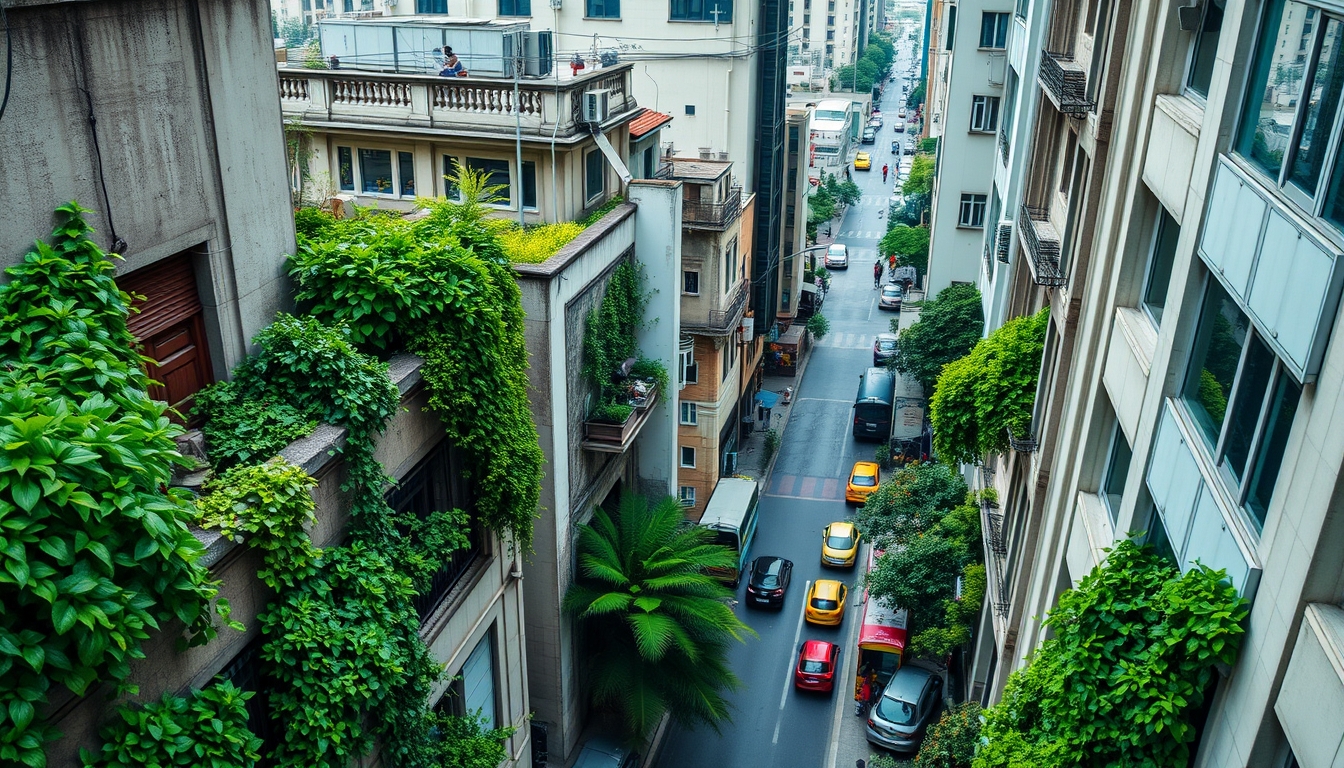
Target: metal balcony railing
pixel 1023 444
pixel 1003 236
pixel 1066 83
pixel 1042 246
pixel 996 552
pixel 709 214
pixel 1003 145
pixel 720 322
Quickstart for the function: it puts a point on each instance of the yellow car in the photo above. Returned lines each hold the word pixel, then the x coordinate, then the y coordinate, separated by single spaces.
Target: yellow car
pixel 863 480
pixel 839 545
pixel 826 603
pixel 862 162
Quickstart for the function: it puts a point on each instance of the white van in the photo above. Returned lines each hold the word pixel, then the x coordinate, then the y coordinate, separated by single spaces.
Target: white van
pixel 837 256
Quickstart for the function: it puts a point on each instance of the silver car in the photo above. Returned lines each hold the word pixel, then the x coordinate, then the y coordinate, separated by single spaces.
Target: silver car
pixel 907 706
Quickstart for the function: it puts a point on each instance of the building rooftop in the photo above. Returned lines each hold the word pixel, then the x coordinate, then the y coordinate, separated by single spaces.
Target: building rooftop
pixel 646 122
pixel 699 170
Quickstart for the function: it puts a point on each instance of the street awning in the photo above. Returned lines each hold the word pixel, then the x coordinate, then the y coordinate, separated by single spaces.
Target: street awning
pixel 767 399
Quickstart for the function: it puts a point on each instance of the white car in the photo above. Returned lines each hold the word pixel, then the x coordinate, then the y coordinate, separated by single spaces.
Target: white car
pixel 837 257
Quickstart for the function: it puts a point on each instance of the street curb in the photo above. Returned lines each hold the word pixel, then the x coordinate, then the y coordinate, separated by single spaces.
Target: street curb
pixel 770 467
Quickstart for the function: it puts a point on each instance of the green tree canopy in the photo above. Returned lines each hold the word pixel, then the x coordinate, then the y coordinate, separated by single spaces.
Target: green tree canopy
pixel 1132 656
pixel 920 179
pixel 659 625
pixel 916 96
pixel 910 503
pixel 909 244
pixel 982 397
pixel 952 742
pixel 948 327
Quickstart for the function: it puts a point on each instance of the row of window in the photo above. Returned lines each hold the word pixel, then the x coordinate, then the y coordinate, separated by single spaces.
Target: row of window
pixel 717 11
pixel 373 171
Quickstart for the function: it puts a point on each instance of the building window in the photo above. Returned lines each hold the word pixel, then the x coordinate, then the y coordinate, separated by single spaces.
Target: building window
pixel 1117 469
pixel 1242 399
pixel 431 6
pixel 688 414
pixel 1160 259
pixel 497 172
pixel 691 370
pixel 530 185
pixel 690 282
pixel 985 112
pixel 603 9
pixel 515 7
pixel 993 30
pixel 650 161
pixel 1287 140
pixel 686 494
pixel 406 174
pixel 688 457
pixel 724 362
pixel 450 189
pixel 169 328
pixel 717 11
pixel 972 210
pixel 690 109
pixel 594 176
pixel 345 168
pixel 375 171
pixel 951 25
pixel 1206 47
pixel 730 266
pixel 475 683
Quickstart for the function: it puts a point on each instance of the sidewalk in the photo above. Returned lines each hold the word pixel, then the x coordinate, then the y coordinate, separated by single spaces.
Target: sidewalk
pixel 751 459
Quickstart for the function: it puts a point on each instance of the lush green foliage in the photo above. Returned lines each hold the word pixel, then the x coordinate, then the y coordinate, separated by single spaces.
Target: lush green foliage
pixel 1131 659
pixel 241 429
pixel 951 742
pixel 825 201
pixel 659 624
pixel 873 65
pixel 533 245
pixel 920 179
pixel 818 326
pixel 948 328
pixel 206 730
pixel 929 145
pixel 772 440
pixel 462 741
pixel 916 96
pixel 929 525
pixel 268 506
pixel 909 244
pixel 95 555
pixel 609 334
pixel 983 397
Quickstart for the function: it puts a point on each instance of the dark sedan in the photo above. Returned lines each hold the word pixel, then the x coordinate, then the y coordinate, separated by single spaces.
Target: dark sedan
pixel 884 348
pixel 769 580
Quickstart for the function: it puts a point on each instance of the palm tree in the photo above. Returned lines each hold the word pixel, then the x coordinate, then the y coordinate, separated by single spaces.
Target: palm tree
pixel 659 624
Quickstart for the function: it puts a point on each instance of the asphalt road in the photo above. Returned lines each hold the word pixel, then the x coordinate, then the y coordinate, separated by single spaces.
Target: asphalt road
pixel 773 724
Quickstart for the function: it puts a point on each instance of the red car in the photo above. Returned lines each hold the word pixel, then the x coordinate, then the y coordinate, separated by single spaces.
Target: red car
pixel 816 666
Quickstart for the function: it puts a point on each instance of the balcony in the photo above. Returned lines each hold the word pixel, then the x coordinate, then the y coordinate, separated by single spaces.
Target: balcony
pixel 1003 145
pixel 713 215
pixel 1041 242
pixel 996 550
pixel 717 322
pixel 466 106
pixel 1065 82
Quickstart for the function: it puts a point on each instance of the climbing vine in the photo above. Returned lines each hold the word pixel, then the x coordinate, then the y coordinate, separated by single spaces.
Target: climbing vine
pixel 207 729
pixel 266 505
pixel 95 555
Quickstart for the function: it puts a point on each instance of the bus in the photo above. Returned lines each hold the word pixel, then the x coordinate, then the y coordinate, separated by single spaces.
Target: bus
pixel 731 514
pixel 874 404
pixel 882 636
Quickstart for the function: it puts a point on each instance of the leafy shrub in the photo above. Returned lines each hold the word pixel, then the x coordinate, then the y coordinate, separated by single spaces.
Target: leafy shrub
pixel 983 397
pixel 240 429
pixel 818 325
pixel 1132 656
pixel 268 505
pixel 616 413
pixel 311 222
pixel 952 740
pixel 772 440
pixel 462 741
pixel 206 730
pixel 533 245
pixel 948 328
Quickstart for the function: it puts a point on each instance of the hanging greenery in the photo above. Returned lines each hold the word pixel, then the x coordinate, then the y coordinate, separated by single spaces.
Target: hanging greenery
pixel 95 555
pixel 987 395
pixel 1131 659
pixel 266 505
pixel 947 329
pixel 208 729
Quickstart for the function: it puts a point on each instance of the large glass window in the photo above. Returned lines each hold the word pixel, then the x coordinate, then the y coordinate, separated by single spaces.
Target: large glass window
pixel 972 213
pixel 375 171
pixel 993 30
pixel 498 172
pixel 1243 400
pixel 529 184
pixel 1156 282
pixel 1206 47
pixel 984 113
pixel 406 172
pixel 515 7
pixel 345 168
pixel 594 176
pixel 603 9
pixel 718 11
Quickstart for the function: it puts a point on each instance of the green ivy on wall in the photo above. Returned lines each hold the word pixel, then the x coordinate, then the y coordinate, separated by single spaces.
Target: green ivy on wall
pixel 208 729
pixel 95 555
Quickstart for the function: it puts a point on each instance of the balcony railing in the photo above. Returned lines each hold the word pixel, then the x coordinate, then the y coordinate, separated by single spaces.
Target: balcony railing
pixel 1003 145
pixel 698 213
pixel 996 552
pixel 1023 444
pixel 468 104
pixel 1066 83
pixel 1042 246
pixel 719 322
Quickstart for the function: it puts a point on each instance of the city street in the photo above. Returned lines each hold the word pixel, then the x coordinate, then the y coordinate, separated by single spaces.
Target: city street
pixel 772 724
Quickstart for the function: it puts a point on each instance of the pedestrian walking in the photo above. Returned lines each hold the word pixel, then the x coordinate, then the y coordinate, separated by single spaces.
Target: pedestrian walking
pixel 884 174
pixel 865 695
pixel 877 273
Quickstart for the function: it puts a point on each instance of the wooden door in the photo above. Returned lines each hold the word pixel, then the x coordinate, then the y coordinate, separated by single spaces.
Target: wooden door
pixel 170 326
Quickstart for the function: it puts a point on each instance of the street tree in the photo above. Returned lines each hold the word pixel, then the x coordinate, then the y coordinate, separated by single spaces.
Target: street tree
pixel 659 624
pixel 909 244
pixel 948 327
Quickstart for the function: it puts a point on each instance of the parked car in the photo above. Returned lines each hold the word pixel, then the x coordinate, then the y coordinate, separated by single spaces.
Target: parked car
pixel 862 162
pixel 769 580
pixel 900 127
pixel 837 257
pixel 825 603
pixel 890 298
pixel 908 704
pixel 869 136
pixel 815 671
pixel 910 147
pixel 875 122
pixel 840 540
pixel 884 348
pixel 606 753
pixel 900 114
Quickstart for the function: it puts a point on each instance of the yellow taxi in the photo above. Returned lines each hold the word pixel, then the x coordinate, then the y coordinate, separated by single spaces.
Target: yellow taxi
pixel 863 480
pixel 826 603
pixel 839 545
pixel 863 162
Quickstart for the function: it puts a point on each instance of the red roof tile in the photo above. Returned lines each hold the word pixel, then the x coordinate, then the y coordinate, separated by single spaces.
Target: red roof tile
pixel 646 122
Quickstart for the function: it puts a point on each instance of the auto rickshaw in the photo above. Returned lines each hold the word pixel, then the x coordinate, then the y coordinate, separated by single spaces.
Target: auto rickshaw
pixel 895 147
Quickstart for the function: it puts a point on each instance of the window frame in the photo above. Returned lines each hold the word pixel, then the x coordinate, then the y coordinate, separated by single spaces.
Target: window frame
pixel 687 279
pixel 589 196
pixel 681 457
pixel 1192 54
pixel 523 8
pixel 605 15
pixel 996 22
pixel 706 16
pixel 686 499
pixel 1159 229
pixel 689 416
pixel 356 173
pixel 976 201
pixel 1118 438
pixel 983 106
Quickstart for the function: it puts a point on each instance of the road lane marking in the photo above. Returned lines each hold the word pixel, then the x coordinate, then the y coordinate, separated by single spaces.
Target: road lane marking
pixel 847 684
pixel 788 677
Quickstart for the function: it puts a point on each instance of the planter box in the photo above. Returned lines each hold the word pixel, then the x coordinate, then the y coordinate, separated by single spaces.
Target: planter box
pixel 605 437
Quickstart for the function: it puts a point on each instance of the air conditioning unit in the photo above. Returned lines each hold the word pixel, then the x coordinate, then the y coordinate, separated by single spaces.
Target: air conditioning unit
pixel 595 105
pixel 1003 238
pixel 748 329
pixel 555 5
